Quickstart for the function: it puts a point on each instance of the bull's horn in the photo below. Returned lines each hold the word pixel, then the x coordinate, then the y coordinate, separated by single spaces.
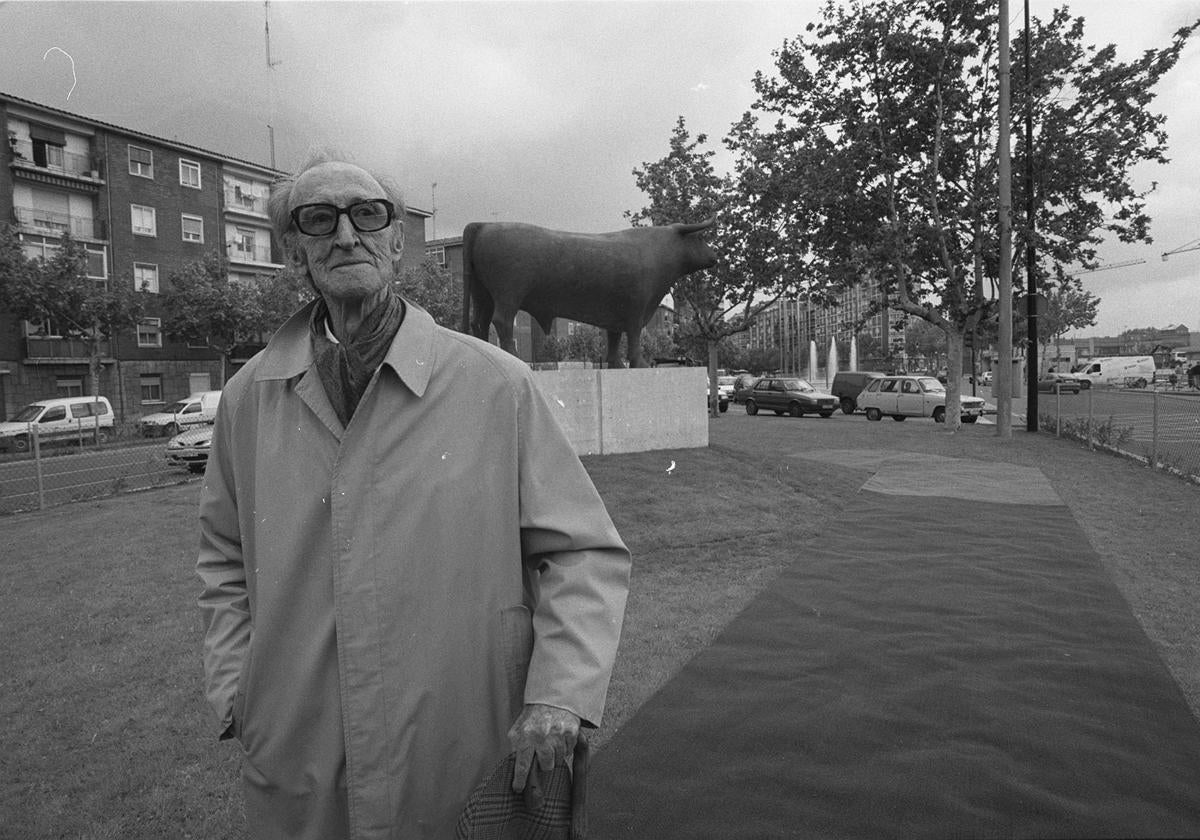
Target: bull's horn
pixel 684 229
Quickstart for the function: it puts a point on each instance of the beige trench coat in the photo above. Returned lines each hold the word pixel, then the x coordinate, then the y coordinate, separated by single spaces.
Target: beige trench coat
pixel 375 594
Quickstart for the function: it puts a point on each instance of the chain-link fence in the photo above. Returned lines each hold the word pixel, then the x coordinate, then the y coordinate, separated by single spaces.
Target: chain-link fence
pixel 54 471
pixel 1158 426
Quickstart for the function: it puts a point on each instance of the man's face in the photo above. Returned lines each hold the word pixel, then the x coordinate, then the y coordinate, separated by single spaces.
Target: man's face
pixel 346 264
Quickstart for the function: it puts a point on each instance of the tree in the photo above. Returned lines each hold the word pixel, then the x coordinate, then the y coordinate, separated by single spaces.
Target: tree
pixel 879 157
pixel 58 292
pixel 1068 307
pixel 202 306
pixel 684 187
pixel 278 296
pixel 434 289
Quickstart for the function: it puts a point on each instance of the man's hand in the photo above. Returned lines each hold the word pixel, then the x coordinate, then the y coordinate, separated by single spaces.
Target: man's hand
pixel 547 732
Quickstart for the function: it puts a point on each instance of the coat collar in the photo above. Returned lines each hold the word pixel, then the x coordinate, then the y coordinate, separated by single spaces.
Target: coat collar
pixel 289 352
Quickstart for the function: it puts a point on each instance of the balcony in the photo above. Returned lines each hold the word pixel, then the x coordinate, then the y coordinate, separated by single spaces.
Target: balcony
pixel 238 201
pixel 57 350
pixel 242 252
pixel 58 161
pixel 49 223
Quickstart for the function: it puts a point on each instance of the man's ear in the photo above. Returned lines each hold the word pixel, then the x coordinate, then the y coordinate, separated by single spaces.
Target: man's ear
pixel 397 241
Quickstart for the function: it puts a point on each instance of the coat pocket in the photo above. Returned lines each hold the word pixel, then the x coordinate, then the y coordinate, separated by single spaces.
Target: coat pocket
pixel 516 646
pixel 239 698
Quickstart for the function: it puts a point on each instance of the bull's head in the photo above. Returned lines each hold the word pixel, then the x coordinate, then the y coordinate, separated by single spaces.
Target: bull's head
pixel 697 253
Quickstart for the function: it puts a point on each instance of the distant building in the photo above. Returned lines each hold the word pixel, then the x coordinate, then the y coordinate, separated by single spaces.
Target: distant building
pixel 142 207
pixel 791 325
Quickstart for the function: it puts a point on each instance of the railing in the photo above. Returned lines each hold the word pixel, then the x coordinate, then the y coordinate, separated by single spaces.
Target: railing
pixel 1158 426
pixel 48 221
pixel 63 348
pixel 59 160
pixel 248 253
pixel 235 199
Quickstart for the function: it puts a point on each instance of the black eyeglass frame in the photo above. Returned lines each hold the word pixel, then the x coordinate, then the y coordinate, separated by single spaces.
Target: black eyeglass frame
pixel 340 211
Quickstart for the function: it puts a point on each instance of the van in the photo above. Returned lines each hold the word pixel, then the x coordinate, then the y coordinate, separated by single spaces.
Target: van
pixel 1132 371
pixel 61 419
pixel 848 384
pixel 195 410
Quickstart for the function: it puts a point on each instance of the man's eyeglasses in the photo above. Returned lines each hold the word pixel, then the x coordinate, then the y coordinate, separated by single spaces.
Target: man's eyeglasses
pixel 322 219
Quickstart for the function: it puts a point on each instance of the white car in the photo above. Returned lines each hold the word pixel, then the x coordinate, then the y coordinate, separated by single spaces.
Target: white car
pixel 913 396
pixel 190 449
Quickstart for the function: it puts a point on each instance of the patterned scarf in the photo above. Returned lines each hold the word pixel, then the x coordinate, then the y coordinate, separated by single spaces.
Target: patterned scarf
pixel 346 367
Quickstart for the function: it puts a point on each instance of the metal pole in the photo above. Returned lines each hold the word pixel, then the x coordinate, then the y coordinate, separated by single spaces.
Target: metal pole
pixel 1154 434
pixel 1004 385
pixel 37 460
pixel 1031 392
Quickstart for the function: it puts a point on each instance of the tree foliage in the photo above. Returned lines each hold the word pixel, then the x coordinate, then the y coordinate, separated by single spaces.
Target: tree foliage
pixel 58 291
pixel 872 151
pixel 683 187
pixel 435 290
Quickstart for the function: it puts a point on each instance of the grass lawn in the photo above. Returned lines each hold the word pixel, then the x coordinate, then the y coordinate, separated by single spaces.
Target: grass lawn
pixel 106 734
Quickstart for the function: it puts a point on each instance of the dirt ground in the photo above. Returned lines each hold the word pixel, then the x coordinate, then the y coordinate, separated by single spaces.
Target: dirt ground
pixel 1144 524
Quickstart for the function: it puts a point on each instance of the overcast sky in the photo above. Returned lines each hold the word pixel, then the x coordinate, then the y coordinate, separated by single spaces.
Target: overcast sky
pixel 533 112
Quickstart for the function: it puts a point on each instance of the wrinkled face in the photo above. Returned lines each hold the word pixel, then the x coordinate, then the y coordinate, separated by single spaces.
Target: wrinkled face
pixel 346 264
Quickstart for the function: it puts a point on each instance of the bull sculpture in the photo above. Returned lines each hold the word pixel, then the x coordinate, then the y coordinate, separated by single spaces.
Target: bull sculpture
pixel 614 281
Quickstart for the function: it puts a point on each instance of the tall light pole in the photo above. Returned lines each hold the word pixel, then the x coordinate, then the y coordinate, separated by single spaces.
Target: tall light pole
pixel 1031 292
pixel 1004 374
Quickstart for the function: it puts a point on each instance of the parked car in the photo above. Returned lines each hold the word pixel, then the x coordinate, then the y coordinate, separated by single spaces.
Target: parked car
pixel 58 420
pixel 1063 383
pixel 791 395
pixel 725 386
pixel 742 383
pixel 985 378
pixel 722 398
pixel 913 396
pixel 190 449
pixel 848 384
pixel 196 410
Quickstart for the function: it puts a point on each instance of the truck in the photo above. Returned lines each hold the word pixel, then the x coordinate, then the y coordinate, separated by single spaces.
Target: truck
pixel 194 410
pixel 1131 371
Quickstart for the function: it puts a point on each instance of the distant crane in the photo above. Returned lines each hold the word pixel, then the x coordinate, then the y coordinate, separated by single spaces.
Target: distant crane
pixel 1194 245
pixel 1107 266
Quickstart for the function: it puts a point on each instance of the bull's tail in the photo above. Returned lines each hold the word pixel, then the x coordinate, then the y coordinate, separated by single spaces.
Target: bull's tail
pixel 472 288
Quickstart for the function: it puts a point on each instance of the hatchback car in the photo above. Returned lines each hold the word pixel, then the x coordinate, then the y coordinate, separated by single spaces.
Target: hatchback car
pixel 913 396
pixel 1060 382
pixel 787 394
pixel 190 449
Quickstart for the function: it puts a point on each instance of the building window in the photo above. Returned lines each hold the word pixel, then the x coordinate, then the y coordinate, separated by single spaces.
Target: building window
pixel 96 269
pixel 244 240
pixel 193 229
pixel 149 332
pixel 189 174
pixel 151 388
pixel 68 387
pixel 437 254
pixel 145 277
pixel 141 162
pixel 143 220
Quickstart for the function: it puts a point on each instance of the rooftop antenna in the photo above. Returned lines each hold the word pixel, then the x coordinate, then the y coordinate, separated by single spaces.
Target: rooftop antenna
pixel 270 66
pixel 433 211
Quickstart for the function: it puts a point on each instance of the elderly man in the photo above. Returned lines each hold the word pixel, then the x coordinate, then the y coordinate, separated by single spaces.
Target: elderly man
pixel 407 572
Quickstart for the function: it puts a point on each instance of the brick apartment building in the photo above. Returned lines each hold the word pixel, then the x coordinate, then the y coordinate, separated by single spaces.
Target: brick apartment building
pixel 143 207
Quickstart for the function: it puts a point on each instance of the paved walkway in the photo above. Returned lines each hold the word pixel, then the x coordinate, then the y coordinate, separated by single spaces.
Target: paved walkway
pixel 949 658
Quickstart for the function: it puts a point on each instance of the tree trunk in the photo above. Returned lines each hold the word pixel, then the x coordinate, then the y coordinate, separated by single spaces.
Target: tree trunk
pixel 954 372
pixel 714 396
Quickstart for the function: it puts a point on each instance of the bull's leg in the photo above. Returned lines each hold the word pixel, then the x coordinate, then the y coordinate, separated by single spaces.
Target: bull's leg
pixel 481 317
pixel 614 349
pixel 503 321
pixel 634 350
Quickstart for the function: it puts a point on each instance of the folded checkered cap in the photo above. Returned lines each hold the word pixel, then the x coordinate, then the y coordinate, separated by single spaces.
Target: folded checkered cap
pixel 494 812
